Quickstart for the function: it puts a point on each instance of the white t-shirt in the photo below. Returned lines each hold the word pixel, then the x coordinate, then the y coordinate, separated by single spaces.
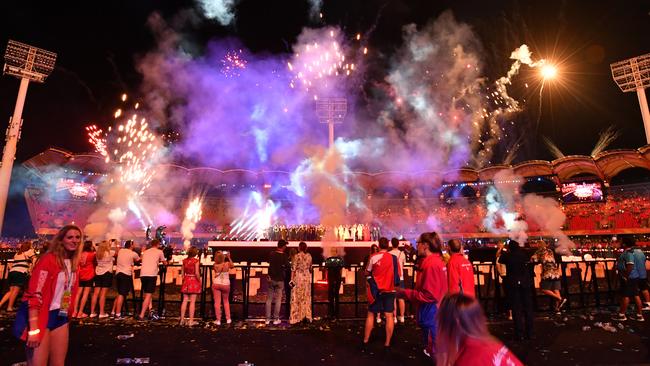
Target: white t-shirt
pixel 105 264
pixel 125 260
pixel 401 257
pixel 150 259
pixel 60 286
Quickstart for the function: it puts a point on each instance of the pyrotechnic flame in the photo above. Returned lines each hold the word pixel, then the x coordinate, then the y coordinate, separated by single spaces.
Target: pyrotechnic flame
pixel 192 216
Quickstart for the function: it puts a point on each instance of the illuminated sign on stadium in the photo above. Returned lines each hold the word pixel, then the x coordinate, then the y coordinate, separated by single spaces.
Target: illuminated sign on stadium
pixel 582 192
pixel 79 190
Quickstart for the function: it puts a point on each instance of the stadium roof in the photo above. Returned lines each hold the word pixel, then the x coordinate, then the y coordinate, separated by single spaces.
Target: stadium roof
pixel 604 166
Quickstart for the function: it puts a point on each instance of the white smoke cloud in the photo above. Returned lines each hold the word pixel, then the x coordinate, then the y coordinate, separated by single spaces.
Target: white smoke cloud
pixel 221 10
pixel 549 216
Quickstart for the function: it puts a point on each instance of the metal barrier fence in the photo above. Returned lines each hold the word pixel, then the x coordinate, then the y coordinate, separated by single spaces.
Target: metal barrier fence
pixel 585 284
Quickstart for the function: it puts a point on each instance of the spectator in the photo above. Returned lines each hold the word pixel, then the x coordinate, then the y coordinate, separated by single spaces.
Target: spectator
pixel 463 338
pixel 126 258
pixel 401 258
pixel 149 274
pixel 629 276
pixel 278 263
pixel 520 286
pixel 430 287
pixel 86 275
pixel 502 272
pixel 550 284
pixel 48 298
pixel 191 285
pixel 221 285
pixel 300 285
pixel 383 274
pixel 103 278
pixel 459 270
pixel 18 274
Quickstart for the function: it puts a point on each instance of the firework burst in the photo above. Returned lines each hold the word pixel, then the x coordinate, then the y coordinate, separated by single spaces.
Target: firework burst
pixel 233 63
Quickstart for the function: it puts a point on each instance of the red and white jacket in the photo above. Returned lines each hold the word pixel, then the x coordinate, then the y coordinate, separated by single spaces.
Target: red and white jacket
pixel 461 273
pixel 431 284
pixel 41 288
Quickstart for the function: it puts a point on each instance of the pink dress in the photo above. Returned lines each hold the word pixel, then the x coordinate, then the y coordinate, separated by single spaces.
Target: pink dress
pixel 191 283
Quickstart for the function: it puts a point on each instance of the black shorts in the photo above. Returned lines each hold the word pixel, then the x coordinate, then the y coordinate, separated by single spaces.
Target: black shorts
pixel 124 284
pixel 630 287
pixel 17 279
pixel 86 283
pixel 643 284
pixel 384 303
pixel 104 280
pixel 148 284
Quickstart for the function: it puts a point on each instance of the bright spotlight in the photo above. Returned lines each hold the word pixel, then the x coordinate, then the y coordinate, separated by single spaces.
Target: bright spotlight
pixel 549 71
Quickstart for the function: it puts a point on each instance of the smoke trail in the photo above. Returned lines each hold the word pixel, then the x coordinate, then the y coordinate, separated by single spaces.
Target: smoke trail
pixel 605 138
pixel 116 216
pixel 553 148
pixel 221 10
pixel 314 8
pixel 548 215
pixel 502 201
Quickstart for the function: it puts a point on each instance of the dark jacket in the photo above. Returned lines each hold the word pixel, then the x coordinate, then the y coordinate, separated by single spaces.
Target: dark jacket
pixel 278 264
pixel 517 267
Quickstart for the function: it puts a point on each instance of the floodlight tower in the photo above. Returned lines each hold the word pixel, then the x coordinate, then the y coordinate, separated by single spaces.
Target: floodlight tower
pixel 634 75
pixel 331 111
pixel 27 63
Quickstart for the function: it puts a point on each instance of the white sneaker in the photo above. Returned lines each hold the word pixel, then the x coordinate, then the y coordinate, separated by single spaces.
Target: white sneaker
pixel 277 321
pixel 228 321
pixel 217 322
pixel 646 306
pixel 267 322
pixel 401 319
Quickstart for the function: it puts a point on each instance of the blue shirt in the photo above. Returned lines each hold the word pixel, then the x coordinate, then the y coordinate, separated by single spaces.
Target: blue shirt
pixel 639 263
pixel 628 258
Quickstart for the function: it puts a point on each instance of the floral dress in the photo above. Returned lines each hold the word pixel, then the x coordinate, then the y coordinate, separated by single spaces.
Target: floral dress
pixel 301 292
pixel 191 283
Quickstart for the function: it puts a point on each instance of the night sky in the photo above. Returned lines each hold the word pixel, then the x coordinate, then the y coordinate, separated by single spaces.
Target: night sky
pixel 98 45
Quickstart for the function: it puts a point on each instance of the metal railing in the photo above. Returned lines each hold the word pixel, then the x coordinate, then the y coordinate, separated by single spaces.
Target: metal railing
pixel 585 284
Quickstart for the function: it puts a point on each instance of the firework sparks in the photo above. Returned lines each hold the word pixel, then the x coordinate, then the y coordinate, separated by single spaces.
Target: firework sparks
pixel 318 62
pixel 233 63
pixel 97 137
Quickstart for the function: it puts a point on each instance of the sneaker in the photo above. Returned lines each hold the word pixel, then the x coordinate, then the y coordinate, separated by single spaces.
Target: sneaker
pixel 217 322
pixel 378 319
pixel 228 321
pixel 646 306
pixel 638 317
pixel 118 317
pixel 401 319
pixel 277 321
pixel 267 322
pixel 93 315
pixel 103 316
pixel 619 317
pixel 562 303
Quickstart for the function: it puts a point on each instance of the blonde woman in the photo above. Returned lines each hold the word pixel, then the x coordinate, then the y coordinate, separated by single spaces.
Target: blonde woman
pixel 103 278
pixel 48 298
pixel 221 285
pixel 18 274
pixel 191 285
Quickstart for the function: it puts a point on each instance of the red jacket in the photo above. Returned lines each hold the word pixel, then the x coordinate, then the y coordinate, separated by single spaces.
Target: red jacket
pixel 40 290
pixel 489 352
pixel 431 284
pixel 460 271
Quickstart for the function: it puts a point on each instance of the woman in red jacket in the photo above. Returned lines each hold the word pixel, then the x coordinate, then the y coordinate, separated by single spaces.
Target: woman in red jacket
pixel 49 296
pixel 463 338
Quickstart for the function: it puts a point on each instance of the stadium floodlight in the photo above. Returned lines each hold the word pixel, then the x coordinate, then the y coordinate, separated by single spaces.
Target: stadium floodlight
pixel 331 111
pixel 634 75
pixel 29 64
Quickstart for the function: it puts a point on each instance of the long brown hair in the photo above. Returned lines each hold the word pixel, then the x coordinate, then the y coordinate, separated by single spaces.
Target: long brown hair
pixel 56 247
pixel 459 317
pixel 103 249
